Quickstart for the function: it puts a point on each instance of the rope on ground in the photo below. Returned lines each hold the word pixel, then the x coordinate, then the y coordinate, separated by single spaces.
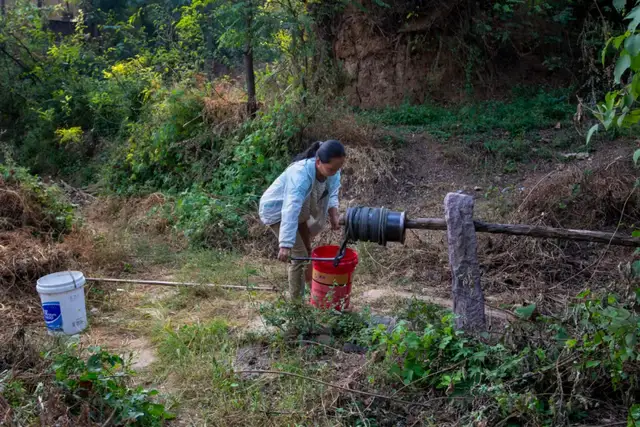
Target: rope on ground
pixel 350 390
pixel 165 283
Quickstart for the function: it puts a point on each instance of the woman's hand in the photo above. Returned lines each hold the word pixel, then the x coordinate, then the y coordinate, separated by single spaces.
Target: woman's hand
pixel 334 219
pixel 284 254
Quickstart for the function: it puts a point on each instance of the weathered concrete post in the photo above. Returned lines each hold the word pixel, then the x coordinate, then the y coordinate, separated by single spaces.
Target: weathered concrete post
pixel 468 299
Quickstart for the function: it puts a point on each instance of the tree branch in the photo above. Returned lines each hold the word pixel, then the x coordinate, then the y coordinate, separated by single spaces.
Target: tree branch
pixel 24 46
pixel 18 62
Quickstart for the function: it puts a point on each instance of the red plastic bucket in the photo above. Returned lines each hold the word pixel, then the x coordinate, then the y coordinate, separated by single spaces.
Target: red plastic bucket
pixel 331 286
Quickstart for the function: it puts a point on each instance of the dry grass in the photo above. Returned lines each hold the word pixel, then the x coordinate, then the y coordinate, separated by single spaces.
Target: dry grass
pixel 126 235
pixel 226 108
pixel 339 122
pixel 600 195
pixel 521 269
pixel 122 236
pixel 28 249
pixel 368 170
pixel 139 214
pixel 261 241
pixel 24 258
pixel 589 197
pixel 19 209
pixel 14 212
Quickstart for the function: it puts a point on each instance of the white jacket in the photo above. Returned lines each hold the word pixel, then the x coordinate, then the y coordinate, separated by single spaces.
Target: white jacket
pixel 283 200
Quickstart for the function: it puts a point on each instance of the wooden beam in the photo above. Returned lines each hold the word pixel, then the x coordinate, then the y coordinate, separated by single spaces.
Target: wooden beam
pixel 532 231
pixel 616 239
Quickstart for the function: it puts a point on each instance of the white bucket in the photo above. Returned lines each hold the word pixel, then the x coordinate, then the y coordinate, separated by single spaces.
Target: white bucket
pixel 62 296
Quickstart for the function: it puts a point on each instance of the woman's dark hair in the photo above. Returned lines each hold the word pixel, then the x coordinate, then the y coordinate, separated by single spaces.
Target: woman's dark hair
pixel 325 151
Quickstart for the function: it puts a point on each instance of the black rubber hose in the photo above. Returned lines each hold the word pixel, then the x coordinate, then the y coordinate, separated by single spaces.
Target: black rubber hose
pixel 366 224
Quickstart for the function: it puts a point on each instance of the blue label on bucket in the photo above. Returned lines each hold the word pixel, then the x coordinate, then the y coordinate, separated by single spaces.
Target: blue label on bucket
pixel 52 315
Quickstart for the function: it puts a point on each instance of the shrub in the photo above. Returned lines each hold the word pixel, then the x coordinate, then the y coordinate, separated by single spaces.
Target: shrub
pixel 260 152
pixel 592 351
pixel 27 201
pixel 101 379
pixel 205 220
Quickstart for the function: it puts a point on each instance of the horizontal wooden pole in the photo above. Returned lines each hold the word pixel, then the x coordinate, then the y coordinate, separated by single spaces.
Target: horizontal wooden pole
pixel 529 230
pixel 164 283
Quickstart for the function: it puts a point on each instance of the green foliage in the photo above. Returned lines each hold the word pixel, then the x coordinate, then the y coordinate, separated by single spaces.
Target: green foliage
pixel 634 416
pixel 200 355
pixel 188 341
pixel 164 145
pixel 525 112
pixel 300 319
pixel 620 107
pixel 64 94
pixel 593 349
pixel 506 130
pixel 610 333
pixel 526 312
pixel 45 204
pixel 260 152
pixel 172 148
pixel 68 97
pixel 101 379
pixel 72 135
pixel 205 220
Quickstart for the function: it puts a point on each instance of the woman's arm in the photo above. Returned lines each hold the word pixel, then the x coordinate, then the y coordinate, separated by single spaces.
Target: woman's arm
pixel 334 202
pixel 334 218
pixel 334 190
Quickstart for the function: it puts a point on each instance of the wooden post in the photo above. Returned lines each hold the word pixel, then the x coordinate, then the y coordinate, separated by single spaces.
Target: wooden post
pixel 468 299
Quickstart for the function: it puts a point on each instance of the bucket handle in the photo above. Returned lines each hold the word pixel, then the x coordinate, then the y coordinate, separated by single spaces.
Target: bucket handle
pixel 75 285
pixel 336 260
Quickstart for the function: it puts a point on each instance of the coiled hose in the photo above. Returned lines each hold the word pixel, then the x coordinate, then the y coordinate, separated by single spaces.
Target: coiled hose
pixel 366 224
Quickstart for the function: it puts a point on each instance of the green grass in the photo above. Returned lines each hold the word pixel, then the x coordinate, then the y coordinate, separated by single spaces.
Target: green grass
pixel 196 362
pixel 525 112
pixel 214 266
pixel 502 131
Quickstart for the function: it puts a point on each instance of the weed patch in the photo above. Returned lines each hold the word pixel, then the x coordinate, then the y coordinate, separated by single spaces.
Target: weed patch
pixel 554 378
pixel 86 387
pixel 295 320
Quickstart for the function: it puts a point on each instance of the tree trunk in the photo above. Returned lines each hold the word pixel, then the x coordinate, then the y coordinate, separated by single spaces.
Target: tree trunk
pixel 252 105
pixel 468 299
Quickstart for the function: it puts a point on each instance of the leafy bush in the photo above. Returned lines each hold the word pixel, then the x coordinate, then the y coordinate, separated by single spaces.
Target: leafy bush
pixel 260 153
pixel 172 149
pixel 304 320
pixel 620 108
pixel 593 352
pixel 165 145
pixel 101 380
pixel 64 90
pixel 205 220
